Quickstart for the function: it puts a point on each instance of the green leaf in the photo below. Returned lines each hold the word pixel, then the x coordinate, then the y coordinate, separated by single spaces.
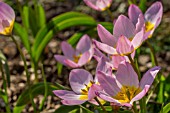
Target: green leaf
pixel 5 65
pixel 77 21
pixel 23 34
pixel 161 90
pixel 142 5
pixel 85 110
pixel 37 89
pixel 41 18
pixel 46 28
pixel 166 109
pixel 25 16
pixel 66 109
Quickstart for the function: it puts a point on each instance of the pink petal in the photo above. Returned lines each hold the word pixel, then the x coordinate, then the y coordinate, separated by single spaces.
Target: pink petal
pixel 108 83
pixel 104 47
pixel 86 57
pixel 78 78
pixel 124 46
pixel 72 102
pixel 84 44
pixel 65 61
pixel 66 95
pixel 124 26
pixel 105 36
pixel 92 91
pixel 67 49
pixel 140 23
pixel 126 75
pixel 141 94
pixel 138 39
pixel 133 13
pixel 116 60
pixel 154 13
pixel 98 55
pixel 149 77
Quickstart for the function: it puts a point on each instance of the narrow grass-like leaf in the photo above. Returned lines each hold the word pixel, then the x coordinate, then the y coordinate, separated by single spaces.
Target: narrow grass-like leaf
pixel 23 34
pixel 166 108
pixel 142 5
pixel 77 21
pixel 41 19
pixel 25 16
pixel 66 109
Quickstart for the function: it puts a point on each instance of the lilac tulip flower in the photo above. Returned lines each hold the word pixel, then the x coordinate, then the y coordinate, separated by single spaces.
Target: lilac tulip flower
pixel 84 89
pixel 7 18
pixel 152 17
pixel 99 5
pixel 78 57
pixel 125 40
pixel 124 88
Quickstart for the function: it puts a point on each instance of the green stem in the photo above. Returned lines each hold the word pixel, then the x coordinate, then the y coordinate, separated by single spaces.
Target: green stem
pixel 26 69
pixel 100 105
pixel 110 13
pixel 46 89
pixel 153 56
pixel 134 66
pixel 7 107
pixel 134 108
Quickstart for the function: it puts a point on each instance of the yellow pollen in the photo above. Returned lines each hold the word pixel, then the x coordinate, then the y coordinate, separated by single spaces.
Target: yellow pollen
pixel 76 58
pixel 84 91
pixel 148 26
pixel 126 94
pixel 8 30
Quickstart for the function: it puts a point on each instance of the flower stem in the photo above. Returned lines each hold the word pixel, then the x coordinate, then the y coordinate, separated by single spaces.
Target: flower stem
pixel 153 56
pixel 110 13
pixel 27 73
pixel 134 66
pixel 134 108
pixel 100 105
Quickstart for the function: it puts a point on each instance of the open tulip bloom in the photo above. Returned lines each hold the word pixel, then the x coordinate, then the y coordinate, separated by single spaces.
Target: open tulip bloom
pixel 78 57
pixel 83 86
pixel 99 5
pixel 152 17
pixel 124 88
pixel 126 37
pixel 7 18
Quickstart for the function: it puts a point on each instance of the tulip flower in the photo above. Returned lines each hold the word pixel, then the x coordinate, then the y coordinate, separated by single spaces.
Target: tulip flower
pixel 78 57
pixel 99 5
pixel 83 86
pixel 124 88
pixel 7 18
pixel 125 40
pixel 152 17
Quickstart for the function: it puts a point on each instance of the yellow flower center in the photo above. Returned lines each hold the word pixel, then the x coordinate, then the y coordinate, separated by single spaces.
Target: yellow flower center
pixel 8 30
pixel 76 58
pixel 148 27
pixel 84 91
pixel 126 94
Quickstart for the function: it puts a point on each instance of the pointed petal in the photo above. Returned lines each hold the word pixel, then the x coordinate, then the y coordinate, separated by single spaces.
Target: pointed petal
pixel 133 13
pixel 149 77
pixel 84 44
pixel 107 97
pixel 138 39
pixel 104 47
pixel 126 75
pixel 98 55
pixel 65 61
pixel 67 49
pixel 92 91
pixel 86 57
pixel 66 95
pixel 124 46
pixel 72 102
pixel 78 78
pixel 124 26
pixel 108 83
pixel 105 36
pixel 154 13
pixel 141 94
pixel 140 23
pixel 116 60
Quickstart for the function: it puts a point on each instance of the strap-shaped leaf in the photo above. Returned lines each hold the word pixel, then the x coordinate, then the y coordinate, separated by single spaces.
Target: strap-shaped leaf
pixel 37 89
pixel 46 28
pixel 23 34
pixel 77 21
